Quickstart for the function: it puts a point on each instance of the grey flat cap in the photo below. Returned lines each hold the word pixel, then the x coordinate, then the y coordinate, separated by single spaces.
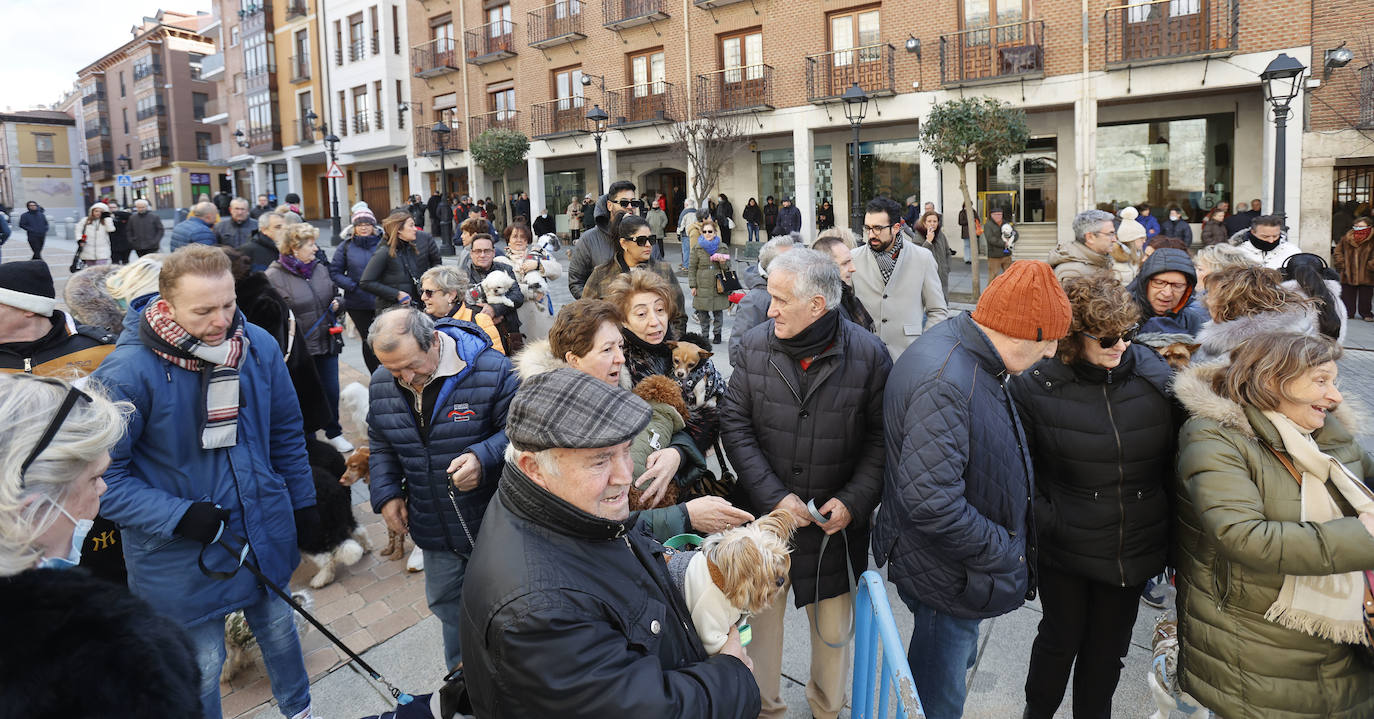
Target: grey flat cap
pixel 569 409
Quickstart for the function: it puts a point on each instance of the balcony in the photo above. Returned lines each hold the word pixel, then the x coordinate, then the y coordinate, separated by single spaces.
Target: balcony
pixel 737 89
pixel 993 54
pixel 300 68
pixel 367 121
pixel 1160 31
pixel 216 111
pixel 212 66
pixel 713 4
pixel 492 42
pixel 155 110
pixel 434 58
pixel 295 9
pixel 147 70
pixel 644 104
pixel 97 96
pixel 427 145
pixel 556 24
pixel 357 50
pixel 264 139
pixel 625 14
pixel 305 133
pixel 502 119
pixel 100 130
pixel 559 118
pixel 260 78
pixel 829 74
pixel 154 153
pixel 255 17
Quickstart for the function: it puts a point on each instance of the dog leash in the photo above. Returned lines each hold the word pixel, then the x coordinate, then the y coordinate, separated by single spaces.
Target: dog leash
pixel 242 554
pixel 848 572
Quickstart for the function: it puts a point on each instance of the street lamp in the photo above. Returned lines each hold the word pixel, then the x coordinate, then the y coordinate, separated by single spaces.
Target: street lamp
pixel 125 164
pixel 855 107
pixel 598 118
pixel 1282 82
pixel 86 182
pixel 441 132
pixel 331 143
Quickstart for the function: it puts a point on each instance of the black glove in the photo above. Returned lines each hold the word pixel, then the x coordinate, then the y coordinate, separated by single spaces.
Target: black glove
pixel 202 522
pixel 308 529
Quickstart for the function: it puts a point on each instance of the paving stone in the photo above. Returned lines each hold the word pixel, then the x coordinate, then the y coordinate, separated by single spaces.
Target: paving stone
pixel 372 613
pixel 334 610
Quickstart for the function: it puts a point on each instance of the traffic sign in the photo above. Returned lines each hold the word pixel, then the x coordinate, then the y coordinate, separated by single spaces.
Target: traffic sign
pixel 334 172
pixel 124 181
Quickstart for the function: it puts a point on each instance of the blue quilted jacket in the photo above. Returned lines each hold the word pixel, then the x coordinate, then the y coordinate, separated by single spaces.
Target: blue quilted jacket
pixel 956 516
pixel 469 415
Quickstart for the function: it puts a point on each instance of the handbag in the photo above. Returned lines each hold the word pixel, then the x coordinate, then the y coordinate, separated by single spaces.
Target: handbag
pixel 727 281
pixel 77 263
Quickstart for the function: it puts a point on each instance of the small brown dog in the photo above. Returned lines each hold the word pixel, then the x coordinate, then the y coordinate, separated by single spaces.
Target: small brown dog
pixel 358 467
pixel 1179 354
pixel 691 372
pixel 657 388
pixel 686 357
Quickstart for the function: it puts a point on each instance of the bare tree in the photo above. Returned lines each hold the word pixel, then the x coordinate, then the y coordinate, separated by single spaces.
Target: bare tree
pixel 708 142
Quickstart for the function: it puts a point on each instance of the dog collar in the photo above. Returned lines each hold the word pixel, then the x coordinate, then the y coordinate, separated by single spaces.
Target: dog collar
pixel 717 576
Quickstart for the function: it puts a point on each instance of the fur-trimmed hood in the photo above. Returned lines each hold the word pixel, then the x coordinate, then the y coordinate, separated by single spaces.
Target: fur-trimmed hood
pixel 1218 339
pixel 1193 388
pixel 536 359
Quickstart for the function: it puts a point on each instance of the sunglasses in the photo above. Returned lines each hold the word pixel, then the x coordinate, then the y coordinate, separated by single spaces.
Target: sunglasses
pixel 1109 342
pixel 74 395
pixel 427 293
pixel 644 241
pixel 628 203
pixel 707 231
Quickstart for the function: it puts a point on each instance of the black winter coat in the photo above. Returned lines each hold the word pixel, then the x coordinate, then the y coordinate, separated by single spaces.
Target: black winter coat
pixel 1103 443
pixel 386 275
pixel 263 306
pixel 568 615
pixel 76 646
pixel 827 442
pixel 956 518
pixel 260 251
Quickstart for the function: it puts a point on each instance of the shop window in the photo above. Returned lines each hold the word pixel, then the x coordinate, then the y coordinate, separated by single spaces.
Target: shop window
pixel 891 168
pixel 1027 184
pixel 1185 161
pixel 778 175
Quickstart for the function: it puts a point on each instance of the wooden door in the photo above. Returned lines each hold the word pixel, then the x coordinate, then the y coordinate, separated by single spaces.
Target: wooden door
pixel 743 82
pixel 854 57
pixel 375 190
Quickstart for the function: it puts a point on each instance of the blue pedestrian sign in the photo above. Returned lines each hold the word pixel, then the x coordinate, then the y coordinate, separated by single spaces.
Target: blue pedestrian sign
pixel 124 181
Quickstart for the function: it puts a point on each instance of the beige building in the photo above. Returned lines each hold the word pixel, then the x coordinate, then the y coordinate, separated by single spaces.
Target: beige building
pixel 40 152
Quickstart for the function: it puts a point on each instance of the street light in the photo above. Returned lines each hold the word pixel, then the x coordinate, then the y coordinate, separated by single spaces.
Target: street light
pixel 441 132
pixel 86 182
pixel 598 118
pixel 855 107
pixel 125 164
pixel 331 143
pixel 1282 82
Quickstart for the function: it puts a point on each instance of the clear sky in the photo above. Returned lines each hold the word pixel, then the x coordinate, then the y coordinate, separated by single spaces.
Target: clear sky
pixel 44 42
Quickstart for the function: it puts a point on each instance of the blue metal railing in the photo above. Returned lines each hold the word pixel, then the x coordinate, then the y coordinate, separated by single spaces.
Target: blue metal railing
pixel 875 632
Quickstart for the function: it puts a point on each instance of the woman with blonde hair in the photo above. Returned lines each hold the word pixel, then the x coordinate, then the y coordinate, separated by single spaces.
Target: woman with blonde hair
pixel 54 448
pixel 1245 302
pixel 1214 258
pixel 303 281
pixel 1274 533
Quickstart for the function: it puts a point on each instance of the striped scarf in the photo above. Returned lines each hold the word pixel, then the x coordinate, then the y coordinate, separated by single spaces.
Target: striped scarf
pixel 218 367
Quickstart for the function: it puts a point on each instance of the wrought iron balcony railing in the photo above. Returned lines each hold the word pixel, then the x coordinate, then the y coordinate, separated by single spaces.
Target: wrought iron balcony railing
pixel 556 118
pixel 735 89
pixel 643 104
pixel 1006 51
pixel 436 57
pixel 503 119
pixel 1144 33
pixel 555 24
pixel 490 42
pixel 623 14
pixel 829 74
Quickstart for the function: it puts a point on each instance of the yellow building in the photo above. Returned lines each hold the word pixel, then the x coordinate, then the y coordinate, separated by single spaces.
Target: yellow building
pixel 39 162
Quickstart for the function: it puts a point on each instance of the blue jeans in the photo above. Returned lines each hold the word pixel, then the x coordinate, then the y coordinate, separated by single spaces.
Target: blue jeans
pixel 753 232
pixel 444 592
pixel 942 650
pixel 328 367
pixel 273 624
pixel 686 246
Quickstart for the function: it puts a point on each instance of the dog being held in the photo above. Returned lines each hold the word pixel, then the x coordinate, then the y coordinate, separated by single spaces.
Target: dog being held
pixel 241 647
pixel 736 573
pixel 341 540
pixel 1176 348
pixel 700 381
pixel 658 391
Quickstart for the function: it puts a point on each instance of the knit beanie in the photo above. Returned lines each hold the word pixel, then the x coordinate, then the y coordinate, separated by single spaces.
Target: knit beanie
pixel 363 214
pixel 1130 229
pixel 1025 302
pixel 27 285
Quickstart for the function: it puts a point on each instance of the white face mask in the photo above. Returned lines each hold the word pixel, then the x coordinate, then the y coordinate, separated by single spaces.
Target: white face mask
pixel 81 529
pixel 1174 216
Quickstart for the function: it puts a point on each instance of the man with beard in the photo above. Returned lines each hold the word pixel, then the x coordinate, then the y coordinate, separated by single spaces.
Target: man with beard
pixel 897 281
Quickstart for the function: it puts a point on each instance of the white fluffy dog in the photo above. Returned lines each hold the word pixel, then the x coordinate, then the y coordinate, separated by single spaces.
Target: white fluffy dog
pixel 495 287
pixel 353 403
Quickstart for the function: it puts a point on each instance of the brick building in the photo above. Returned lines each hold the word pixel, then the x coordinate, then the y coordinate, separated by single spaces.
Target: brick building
pixel 1155 101
pixel 140 113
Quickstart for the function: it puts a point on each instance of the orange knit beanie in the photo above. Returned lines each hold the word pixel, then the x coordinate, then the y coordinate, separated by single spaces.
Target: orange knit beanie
pixel 1025 302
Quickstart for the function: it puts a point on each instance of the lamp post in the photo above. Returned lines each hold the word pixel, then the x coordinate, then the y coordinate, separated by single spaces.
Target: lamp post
pixel 125 164
pixel 855 107
pixel 331 144
pixel 598 118
pixel 86 182
pixel 441 132
pixel 1282 82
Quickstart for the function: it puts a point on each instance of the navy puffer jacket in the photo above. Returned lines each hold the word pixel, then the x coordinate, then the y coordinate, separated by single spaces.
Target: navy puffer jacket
pixel 347 266
pixel 1103 442
pixel 956 518
pixel 469 416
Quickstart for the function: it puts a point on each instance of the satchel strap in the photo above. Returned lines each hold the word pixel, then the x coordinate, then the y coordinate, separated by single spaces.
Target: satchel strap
pixel 1287 463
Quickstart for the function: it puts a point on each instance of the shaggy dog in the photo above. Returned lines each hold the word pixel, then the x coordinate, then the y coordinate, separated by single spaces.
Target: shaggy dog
pixel 657 388
pixel 495 287
pixel 241 647
pixel 90 302
pixel 1176 348
pixel 341 540
pixel 353 403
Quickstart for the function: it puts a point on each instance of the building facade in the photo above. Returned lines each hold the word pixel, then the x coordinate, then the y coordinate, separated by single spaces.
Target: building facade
pixel 40 155
pixel 141 110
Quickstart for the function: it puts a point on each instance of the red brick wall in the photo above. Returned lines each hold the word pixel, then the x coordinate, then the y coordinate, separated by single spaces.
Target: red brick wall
pixel 1336 104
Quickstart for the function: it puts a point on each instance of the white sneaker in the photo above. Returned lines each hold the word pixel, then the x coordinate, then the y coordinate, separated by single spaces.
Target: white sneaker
pixel 306 714
pixel 341 443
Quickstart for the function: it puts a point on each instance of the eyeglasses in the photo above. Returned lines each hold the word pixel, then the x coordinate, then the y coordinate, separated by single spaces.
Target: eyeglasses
pixel 1109 342
pixel 642 241
pixel 628 203
pixel 1158 284
pixel 73 396
pixel 1108 233
pixel 870 229
pixel 708 231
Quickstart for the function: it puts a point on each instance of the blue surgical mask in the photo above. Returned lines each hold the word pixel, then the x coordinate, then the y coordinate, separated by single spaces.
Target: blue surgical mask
pixel 73 558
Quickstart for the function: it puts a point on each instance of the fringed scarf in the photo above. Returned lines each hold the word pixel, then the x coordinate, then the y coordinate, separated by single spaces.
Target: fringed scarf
pixel 218 367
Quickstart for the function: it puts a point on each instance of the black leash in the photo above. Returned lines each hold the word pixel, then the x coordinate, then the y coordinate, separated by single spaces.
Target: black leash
pixel 241 553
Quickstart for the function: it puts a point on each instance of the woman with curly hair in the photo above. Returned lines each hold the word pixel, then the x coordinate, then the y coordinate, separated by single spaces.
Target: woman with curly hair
pixel 1245 302
pixel 1101 427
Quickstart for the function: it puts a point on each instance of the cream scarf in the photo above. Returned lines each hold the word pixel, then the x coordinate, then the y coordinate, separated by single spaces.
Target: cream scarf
pixel 1330 606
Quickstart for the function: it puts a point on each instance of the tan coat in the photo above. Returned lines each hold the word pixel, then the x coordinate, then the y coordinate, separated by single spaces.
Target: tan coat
pixel 1074 259
pixel 906 306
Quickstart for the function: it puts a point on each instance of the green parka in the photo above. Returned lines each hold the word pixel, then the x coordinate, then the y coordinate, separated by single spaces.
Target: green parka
pixel 1238 536
pixel 701 276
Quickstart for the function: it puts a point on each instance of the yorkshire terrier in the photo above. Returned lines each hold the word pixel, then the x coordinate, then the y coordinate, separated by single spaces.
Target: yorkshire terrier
pixel 736 573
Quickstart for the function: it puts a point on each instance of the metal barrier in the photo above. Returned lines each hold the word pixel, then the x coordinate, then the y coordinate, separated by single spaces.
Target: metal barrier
pixel 876 640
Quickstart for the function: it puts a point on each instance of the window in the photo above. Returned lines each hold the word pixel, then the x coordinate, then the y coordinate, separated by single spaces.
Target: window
pixel 342 128
pixel 257 55
pixel 193 60
pixel 778 177
pixel 400 99
pixel 202 146
pixel 441 32
pixel 151 106
pixel 887 167
pixel 647 73
pixel 567 87
pixel 499 19
pixel 301 42
pixel 198 100
pixel 376 30
pixel 1028 183
pixel 124 111
pixel 395 30
pixel 854 29
pixel 502 102
pixel 377 90
pixel 356 50
pixel 360 113
pixel 234 36
pixel 121 85
pixel 567 8
pixel 982 13
pixel 260 115
pixel 1185 161
pixel 1147 13
pixel 305 104
pixel 43 147
pixel 741 56
pixel 164 189
pixel 338 43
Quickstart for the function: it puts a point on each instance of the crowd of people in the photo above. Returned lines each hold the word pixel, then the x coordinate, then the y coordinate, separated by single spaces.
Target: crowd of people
pixel 1136 412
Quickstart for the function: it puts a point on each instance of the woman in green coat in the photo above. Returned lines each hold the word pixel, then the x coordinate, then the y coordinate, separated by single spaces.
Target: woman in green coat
pixel 1270 569
pixel 701 277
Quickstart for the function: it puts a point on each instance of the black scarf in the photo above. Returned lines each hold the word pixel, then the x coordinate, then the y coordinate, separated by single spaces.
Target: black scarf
pixel 814 339
pixel 1262 245
pixel 536 504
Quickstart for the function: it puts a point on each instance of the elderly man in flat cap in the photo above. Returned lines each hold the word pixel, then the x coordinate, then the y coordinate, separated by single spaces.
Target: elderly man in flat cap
pixel 569 610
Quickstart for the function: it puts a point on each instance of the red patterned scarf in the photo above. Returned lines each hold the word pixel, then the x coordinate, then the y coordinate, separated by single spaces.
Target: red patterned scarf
pixel 217 365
